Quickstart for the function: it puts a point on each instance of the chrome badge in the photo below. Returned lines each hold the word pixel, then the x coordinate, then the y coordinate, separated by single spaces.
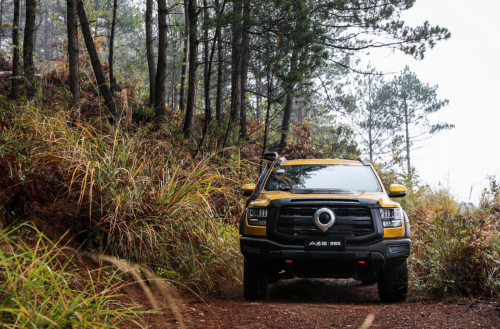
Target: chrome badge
pixel 324 218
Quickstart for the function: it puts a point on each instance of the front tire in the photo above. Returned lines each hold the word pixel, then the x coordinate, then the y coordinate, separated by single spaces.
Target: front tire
pixel 254 280
pixel 393 284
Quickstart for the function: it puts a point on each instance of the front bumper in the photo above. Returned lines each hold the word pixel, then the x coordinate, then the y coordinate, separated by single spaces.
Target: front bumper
pixel 367 259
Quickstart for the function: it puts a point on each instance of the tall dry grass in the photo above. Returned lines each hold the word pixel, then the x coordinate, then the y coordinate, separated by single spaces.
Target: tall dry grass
pixel 455 247
pixel 42 286
pixel 136 189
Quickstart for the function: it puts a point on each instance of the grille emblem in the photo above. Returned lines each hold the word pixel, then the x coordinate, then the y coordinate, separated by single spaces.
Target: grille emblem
pixel 324 218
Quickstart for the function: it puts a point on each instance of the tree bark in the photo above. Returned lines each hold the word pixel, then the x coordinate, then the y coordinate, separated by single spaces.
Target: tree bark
pixel 1 22
pixel 15 55
pixel 259 87
pixel 73 51
pixel 21 17
pixel 149 51
pixel 112 80
pixel 182 92
pixel 370 140
pixel 161 70
pixel 206 82
pixel 174 75
pixel 244 67
pixel 301 106
pixel 52 35
pixel 407 139
pixel 193 66
pixel 236 58
pixel 287 113
pixel 268 110
pixel 28 48
pixel 206 77
pixel 94 59
pixel 46 36
pixel 208 109
pixel 220 71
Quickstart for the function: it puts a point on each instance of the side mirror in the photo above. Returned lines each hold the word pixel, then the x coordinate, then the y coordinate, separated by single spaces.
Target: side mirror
pixel 270 156
pixel 397 191
pixel 248 189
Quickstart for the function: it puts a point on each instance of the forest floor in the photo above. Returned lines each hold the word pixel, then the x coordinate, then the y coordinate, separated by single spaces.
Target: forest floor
pixel 308 303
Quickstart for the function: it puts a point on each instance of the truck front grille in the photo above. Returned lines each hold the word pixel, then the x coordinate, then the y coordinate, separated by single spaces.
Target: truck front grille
pixel 350 221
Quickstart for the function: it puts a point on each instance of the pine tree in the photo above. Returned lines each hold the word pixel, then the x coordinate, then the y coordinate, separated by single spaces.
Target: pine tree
pixel 411 102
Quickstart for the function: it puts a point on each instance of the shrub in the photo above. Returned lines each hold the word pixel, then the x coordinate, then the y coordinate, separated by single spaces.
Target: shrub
pixel 453 254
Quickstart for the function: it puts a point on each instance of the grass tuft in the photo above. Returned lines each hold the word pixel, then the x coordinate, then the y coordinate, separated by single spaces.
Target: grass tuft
pixel 42 286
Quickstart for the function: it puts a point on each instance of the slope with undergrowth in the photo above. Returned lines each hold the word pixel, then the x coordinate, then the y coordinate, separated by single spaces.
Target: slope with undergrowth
pixel 132 193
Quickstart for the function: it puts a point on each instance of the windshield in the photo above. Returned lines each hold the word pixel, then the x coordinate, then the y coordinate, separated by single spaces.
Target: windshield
pixel 323 179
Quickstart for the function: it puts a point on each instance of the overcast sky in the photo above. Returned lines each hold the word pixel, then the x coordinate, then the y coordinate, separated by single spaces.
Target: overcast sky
pixel 467 69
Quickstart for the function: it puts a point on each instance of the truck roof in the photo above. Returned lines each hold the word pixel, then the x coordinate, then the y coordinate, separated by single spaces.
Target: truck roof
pixel 322 161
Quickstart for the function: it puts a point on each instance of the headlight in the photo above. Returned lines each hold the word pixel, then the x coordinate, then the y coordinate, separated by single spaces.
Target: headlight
pixel 257 216
pixel 391 217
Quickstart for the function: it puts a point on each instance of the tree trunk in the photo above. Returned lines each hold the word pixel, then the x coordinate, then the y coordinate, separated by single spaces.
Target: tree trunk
pixel 370 140
pixel 206 83
pixel 15 55
pixel 28 47
pixel 112 80
pixel 21 26
pixel 208 110
pixel 206 77
pixel 94 59
pixel 1 22
pixel 52 35
pixel 161 70
pixel 407 140
pixel 46 36
pixel 236 54
pixel 35 33
pixel 287 113
pixel 182 92
pixel 74 65
pixel 301 106
pixel 244 67
pixel 149 51
pixel 259 87
pixel 193 66
pixel 268 110
pixel 220 70
pixel 174 75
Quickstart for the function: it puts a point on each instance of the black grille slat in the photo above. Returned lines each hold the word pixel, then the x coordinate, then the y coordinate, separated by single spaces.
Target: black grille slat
pixel 350 221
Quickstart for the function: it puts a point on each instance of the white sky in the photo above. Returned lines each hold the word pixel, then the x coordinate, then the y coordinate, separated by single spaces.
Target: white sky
pixel 467 69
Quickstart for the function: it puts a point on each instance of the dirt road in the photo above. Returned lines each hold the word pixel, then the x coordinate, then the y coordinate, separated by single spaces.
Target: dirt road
pixel 302 303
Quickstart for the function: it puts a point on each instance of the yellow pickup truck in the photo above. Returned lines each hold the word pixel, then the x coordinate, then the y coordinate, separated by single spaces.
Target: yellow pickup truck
pixel 319 218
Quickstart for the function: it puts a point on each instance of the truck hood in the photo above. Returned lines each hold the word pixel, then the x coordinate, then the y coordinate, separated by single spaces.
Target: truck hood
pixel 266 197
